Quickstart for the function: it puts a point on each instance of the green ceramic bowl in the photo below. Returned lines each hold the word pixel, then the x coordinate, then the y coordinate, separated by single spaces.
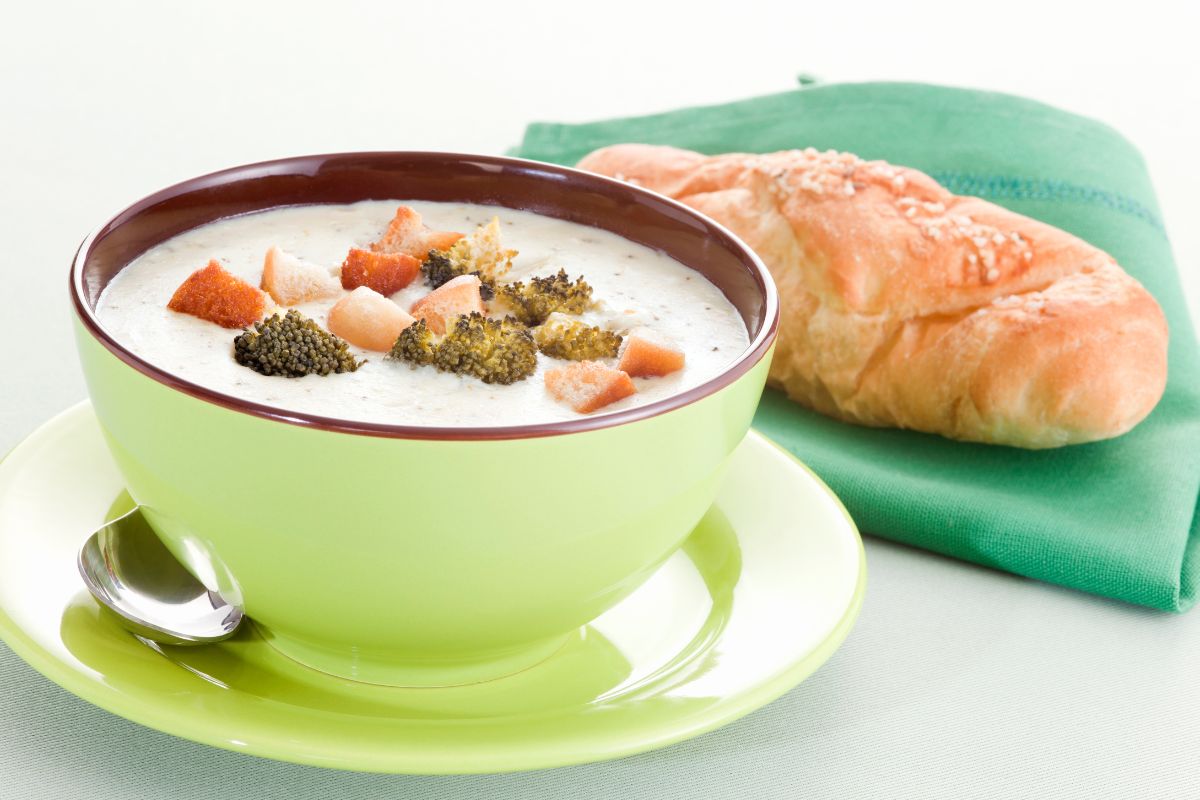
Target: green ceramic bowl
pixel 347 542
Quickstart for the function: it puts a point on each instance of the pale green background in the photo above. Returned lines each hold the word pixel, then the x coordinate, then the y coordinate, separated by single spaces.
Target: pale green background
pixel 957 683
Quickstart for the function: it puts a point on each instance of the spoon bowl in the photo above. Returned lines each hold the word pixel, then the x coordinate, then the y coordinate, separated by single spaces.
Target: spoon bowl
pixel 132 574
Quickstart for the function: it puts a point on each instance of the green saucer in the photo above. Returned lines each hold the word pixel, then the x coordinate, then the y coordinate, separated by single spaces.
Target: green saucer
pixel 762 593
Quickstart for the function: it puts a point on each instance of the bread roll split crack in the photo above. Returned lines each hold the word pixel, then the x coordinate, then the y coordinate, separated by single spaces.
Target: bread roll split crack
pixel 903 305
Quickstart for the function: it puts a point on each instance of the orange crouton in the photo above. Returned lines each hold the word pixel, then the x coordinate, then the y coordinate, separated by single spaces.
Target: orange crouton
pixel 453 299
pixel 407 234
pixel 386 273
pixel 290 281
pixel 647 355
pixel 588 385
pixel 212 293
pixel 368 319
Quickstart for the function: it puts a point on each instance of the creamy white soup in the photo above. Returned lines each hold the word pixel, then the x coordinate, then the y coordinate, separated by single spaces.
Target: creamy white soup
pixel 633 287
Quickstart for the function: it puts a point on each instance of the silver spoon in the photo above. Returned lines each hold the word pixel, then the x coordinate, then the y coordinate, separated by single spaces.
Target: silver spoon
pixel 131 573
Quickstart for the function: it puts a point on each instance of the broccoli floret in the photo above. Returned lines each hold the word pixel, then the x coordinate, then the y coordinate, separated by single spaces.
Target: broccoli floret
pixel 492 350
pixel 439 267
pixel 562 337
pixel 534 302
pixel 415 345
pixel 292 346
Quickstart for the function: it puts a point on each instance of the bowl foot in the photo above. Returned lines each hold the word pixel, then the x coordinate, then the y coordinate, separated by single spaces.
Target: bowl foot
pixel 404 670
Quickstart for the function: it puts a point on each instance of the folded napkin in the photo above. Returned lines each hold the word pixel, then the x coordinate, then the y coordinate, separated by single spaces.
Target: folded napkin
pixel 1117 518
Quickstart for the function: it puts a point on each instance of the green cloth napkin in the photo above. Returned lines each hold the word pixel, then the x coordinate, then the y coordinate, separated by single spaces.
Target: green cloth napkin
pixel 1117 518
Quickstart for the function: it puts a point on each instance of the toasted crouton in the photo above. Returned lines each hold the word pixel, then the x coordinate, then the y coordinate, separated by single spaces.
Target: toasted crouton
pixel 588 385
pixel 407 234
pixel 386 273
pixel 482 251
pixel 214 294
pixel 369 320
pixel 453 299
pixel 646 354
pixel 290 281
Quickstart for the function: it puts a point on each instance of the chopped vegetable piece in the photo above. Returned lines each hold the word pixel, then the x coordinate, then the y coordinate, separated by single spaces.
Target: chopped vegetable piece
pixel 214 294
pixel 588 385
pixel 292 346
pixel 290 281
pixel 492 350
pixel 415 344
pixel 647 355
pixel 456 298
pixel 563 337
pixel 368 319
pixel 386 273
pixel 534 302
pixel 407 234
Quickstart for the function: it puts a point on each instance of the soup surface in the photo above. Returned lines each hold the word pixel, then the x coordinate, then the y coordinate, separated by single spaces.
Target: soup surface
pixel 634 286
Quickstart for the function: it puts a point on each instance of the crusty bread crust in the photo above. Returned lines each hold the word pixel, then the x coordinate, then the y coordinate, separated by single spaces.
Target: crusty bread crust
pixel 904 305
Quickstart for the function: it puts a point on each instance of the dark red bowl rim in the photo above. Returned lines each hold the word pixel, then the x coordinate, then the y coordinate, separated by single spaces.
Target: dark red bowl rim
pixel 759 346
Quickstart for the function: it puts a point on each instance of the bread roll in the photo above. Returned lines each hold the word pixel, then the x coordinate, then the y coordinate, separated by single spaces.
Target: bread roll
pixel 904 305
